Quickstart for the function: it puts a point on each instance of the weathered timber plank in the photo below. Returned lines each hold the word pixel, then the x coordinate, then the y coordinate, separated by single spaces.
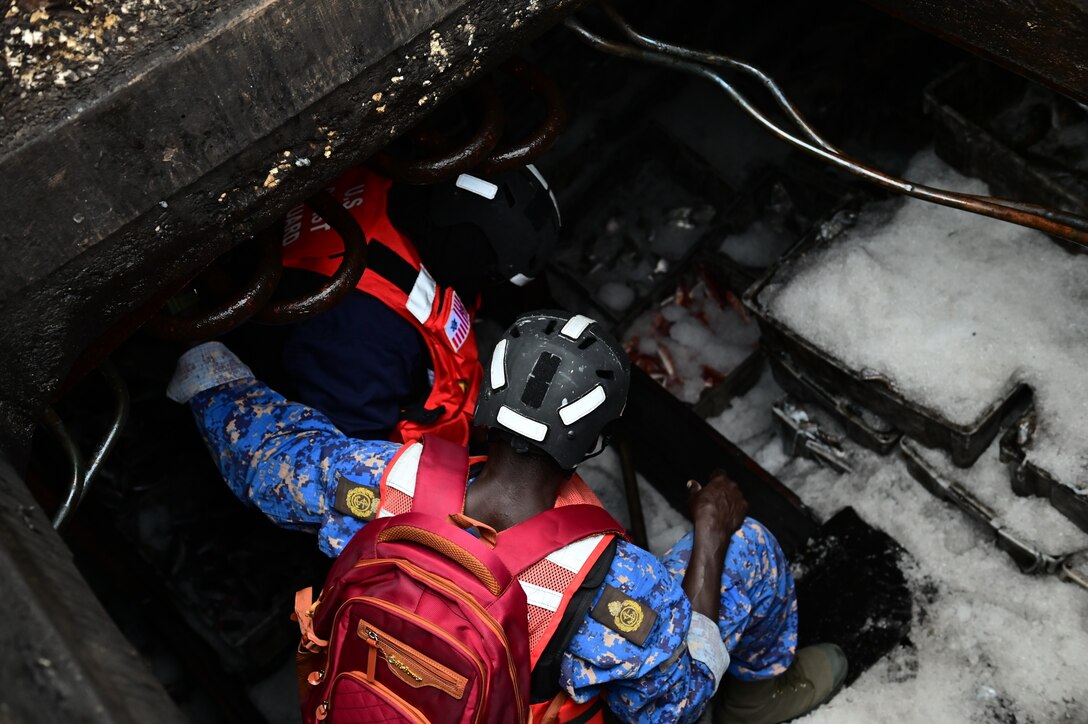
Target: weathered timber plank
pixel 174 167
pixel 1045 40
pixel 61 658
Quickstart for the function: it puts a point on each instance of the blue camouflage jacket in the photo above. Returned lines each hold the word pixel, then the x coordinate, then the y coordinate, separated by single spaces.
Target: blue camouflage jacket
pixel 283 458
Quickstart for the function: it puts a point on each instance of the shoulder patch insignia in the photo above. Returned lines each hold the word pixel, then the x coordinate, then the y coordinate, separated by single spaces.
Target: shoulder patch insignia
pixel 354 499
pixel 458 323
pixel 627 616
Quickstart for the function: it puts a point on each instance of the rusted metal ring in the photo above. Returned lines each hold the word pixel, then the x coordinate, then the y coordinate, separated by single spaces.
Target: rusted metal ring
pixel 340 284
pixel 541 139
pixel 255 295
pixel 449 164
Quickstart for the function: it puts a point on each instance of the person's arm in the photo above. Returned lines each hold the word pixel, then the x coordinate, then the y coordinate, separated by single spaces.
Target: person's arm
pixel 633 648
pixel 718 510
pixel 288 460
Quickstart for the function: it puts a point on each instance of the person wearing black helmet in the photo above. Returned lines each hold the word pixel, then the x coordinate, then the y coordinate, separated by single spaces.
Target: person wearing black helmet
pixel 398 358
pixel 574 386
pixel 654 639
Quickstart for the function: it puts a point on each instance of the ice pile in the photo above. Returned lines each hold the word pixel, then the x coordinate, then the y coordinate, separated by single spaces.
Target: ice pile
pixel 956 310
pixel 759 245
pixel 692 342
pixel 988 643
pixel 1030 519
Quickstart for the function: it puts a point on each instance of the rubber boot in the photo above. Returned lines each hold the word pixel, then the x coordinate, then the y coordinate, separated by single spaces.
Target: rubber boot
pixel 816 674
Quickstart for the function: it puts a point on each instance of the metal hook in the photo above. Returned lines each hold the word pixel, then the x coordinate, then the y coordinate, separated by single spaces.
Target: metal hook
pixel 545 135
pixel 254 296
pixel 347 275
pixel 449 164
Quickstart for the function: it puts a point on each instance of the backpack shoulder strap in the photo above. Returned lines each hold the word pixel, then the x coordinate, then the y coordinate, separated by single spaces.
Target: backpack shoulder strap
pixel 529 541
pixel 441 478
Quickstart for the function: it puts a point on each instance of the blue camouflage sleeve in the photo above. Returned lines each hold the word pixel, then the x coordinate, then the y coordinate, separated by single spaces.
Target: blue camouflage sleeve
pixel 656 681
pixel 286 459
pixel 758 615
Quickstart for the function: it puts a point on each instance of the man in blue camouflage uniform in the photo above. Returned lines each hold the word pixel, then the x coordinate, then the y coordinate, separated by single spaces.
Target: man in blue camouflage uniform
pixel 287 460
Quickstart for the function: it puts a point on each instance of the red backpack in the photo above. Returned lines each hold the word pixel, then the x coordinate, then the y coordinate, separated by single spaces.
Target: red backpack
pixel 424 622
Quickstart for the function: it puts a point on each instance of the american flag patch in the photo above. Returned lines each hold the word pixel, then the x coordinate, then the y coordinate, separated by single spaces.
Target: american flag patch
pixel 458 324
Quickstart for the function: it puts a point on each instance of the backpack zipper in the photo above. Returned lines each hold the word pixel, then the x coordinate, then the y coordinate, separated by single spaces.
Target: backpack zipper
pixel 486 617
pixel 447 587
pixel 424 623
pixel 408 661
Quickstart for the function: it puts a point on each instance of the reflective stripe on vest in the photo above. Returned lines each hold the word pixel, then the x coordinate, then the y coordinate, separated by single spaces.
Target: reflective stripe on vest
pixel 396 276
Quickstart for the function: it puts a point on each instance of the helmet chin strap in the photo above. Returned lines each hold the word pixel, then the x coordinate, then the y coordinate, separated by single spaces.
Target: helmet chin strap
pixel 603 441
pixel 525 447
pixel 517 443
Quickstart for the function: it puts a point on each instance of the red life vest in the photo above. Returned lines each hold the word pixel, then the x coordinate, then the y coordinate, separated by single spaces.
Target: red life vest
pixel 396 276
pixel 549 584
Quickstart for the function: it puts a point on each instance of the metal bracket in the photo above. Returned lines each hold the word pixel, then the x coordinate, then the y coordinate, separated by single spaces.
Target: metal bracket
pixel 801 435
pixel 1069 567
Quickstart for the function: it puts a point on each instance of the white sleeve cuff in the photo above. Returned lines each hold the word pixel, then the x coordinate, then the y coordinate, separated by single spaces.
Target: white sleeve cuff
pixel 205 366
pixel 705 645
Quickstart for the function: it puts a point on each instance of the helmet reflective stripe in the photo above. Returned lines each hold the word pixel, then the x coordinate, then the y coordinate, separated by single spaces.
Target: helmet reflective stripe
pixel 563 379
pixel 513 420
pixel 575 326
pixel 551 194
pixel 584 405
pixel 421 298
pixel 520 280
pixel 539 176
pixel 478 186
pixel 498 366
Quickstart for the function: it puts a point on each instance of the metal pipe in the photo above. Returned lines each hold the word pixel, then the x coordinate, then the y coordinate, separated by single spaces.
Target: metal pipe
pixel 120 417
pixel 795 115
pixel 783 102
pixel 1056 222
pixel 83 474
pixel 634 498
pixel 56 426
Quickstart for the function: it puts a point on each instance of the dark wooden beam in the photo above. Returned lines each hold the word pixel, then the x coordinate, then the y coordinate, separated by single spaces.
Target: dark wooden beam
pixel 1045 40
pixel 61 657
pixel 115 199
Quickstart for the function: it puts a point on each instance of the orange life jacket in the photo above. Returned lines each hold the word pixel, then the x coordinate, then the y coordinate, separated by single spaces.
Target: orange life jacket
pixel 549 584
pixel 395 275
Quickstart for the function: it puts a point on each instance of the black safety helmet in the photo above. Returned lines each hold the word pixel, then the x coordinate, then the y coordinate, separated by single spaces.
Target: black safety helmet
pixel 504 227
pixel 554 382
